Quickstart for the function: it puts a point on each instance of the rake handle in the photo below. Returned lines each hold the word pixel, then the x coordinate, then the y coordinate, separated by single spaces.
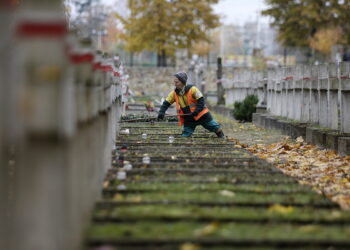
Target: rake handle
pixel 140 119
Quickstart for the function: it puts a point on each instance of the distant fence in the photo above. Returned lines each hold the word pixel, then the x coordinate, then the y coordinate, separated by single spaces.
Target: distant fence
pixel 311 94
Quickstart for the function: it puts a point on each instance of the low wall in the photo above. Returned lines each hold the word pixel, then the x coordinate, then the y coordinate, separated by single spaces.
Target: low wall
pixel 159 81
pixel 316 95
pixel 321 137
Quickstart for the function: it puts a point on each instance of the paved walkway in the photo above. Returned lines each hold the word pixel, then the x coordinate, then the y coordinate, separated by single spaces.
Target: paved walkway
pixel 208 193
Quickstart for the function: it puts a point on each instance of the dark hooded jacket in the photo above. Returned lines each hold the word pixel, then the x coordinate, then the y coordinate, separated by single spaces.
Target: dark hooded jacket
pixel 189 120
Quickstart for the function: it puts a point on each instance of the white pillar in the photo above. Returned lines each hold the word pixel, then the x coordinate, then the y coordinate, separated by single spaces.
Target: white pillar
pixel 314 89
pixel 298 93
pixel 333 94
pixel 306 94
pixel 345 96
pixel 323 95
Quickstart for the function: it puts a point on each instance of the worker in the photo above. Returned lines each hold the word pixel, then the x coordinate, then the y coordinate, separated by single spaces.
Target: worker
pixel 189 100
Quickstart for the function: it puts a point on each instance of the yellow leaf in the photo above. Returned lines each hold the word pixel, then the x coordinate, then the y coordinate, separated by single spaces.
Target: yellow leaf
pixel 227 193
pixel 189 246
pixel 300 139
pixel 118 197
pixel 277 208
pixel 105 184
pixel 309 228
pixel 207 230
pixel 135 199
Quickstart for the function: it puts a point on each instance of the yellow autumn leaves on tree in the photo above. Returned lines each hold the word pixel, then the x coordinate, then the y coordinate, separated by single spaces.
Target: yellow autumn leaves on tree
pixel 317 24
pixel 325 38
pixel 164 26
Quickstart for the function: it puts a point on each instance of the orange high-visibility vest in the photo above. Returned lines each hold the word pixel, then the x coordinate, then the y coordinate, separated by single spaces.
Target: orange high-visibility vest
pixel 192 103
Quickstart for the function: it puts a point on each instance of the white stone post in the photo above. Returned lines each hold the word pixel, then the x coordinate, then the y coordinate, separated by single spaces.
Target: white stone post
pixel 298 93
pixel 270 90
pixel 284 97
pixel 314 104
pixel 345 96
pixel 278 88
pixel 289 86
pixel 306 94
pixel 323 95
pixel 333 97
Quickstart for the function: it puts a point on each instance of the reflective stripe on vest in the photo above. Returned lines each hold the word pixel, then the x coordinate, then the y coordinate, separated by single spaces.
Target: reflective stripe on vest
pixel 191 102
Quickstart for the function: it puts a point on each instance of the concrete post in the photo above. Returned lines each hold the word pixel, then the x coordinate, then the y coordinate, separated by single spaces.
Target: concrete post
pixel 314 105
pixel 298 93
pixel 333 100
pixel 323 95
pixel 306 94
pixel 6 97
pixel 284 92
pixel 289 86
pixel 270 90
pixel 220 89
pixel 345 96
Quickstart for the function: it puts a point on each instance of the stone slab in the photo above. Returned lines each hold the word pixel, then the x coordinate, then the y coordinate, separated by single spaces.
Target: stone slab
pixel 316 136
pixel 297 130
pixel 257 119
pixel 344 146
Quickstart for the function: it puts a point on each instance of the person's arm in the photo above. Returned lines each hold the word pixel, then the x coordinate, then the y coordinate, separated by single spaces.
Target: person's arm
pixel 166 104
pixel 196 94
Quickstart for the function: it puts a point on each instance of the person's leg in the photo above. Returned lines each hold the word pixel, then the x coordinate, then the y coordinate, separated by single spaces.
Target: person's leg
pixel 187 131
pixel 214 126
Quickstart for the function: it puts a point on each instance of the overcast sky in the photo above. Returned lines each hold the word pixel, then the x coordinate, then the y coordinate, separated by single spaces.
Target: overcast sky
pixel 238 11
pixel 234 11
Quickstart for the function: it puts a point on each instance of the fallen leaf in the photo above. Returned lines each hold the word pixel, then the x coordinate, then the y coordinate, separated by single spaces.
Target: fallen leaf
pixel 227 193
pixel 277 208
pixel 207 230
pixel 189 246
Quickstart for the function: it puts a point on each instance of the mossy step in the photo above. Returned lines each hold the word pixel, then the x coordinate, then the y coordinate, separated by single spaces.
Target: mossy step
pixel 180 141
pixel 199 171
pixel 192 153
pixel 180 159
pixel 130 144
pixel 220 196
pixel 189 187
pixel 275 213
pixel 236 181
pixel 220 178
pixel 112 203
pixel 220 232
pixel 202 172
pixel 204 148
pixel 238 164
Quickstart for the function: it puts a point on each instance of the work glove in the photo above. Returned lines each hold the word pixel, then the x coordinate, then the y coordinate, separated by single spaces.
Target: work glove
pixel 194 113
pixel 160 116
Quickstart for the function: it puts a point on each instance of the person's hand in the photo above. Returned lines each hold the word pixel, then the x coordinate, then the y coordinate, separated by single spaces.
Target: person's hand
pixel 160 116
pixel 194 114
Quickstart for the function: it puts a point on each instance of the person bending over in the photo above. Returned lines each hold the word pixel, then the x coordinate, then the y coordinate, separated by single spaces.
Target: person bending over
pixel 189 100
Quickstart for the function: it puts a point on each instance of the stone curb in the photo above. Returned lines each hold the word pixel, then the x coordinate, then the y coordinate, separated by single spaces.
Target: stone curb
pixel 324 138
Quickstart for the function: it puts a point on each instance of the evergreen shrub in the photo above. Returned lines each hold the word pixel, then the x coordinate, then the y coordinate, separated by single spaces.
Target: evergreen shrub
pixel 243 111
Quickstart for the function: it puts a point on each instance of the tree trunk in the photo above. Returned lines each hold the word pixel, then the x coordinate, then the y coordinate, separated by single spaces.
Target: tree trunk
pixel 131 59
pixel 285 56
pixel 163 58
pixel 220 88
pixel 159 59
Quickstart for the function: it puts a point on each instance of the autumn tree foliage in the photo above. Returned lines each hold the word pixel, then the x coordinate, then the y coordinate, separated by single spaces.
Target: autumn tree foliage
pixel 324 39
pixel 166 25
pixel 305 23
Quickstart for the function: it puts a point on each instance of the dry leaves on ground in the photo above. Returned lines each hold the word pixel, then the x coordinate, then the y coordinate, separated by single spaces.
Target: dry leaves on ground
pixel 324 170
